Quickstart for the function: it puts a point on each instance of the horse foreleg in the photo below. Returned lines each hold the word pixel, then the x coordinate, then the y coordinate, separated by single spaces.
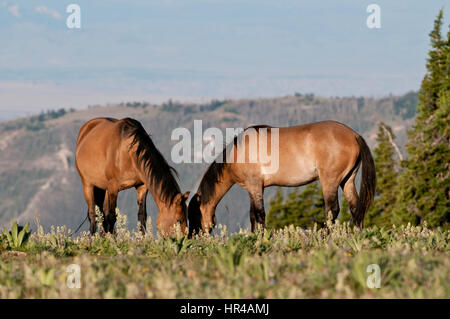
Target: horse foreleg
pixel 257 212
pixel 141 193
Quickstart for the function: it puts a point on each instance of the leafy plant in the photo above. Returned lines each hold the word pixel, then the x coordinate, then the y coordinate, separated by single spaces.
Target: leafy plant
pixel 180 244
pixel 229 258
pixel 18 236
pixel 46 276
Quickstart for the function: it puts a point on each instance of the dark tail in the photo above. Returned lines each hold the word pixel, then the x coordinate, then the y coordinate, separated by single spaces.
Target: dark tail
pixel 76 231
pixel 368 182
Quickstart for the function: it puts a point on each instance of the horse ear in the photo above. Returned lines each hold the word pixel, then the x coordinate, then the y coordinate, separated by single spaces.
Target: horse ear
pixel 178 198
pixel 186 195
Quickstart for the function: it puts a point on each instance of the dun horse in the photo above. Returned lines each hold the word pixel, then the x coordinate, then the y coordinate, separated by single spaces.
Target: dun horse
pixel 113 155
pixel 328 151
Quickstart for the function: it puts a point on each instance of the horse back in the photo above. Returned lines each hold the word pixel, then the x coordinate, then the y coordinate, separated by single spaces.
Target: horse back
pixel 91 124
pixel 331 147
pixel 307 151
pixel 102 152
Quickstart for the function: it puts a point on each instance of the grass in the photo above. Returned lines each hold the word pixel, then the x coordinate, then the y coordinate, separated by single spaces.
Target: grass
pixel 290 263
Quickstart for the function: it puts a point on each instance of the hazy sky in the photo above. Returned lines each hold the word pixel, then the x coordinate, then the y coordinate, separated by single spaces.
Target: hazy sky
pixel 198 49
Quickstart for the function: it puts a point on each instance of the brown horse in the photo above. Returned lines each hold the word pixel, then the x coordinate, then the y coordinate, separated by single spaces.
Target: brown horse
pixel 113 155
pixel 328 151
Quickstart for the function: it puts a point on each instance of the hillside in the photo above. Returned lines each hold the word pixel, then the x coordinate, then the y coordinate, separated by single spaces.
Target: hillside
pixel 38 177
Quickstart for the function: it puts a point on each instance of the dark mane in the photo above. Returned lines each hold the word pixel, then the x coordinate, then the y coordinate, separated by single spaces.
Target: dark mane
pixel 215 172
pixel 159 172
pixel 210 179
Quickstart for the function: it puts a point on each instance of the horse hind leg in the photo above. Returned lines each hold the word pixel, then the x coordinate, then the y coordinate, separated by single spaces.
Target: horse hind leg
pixel 330 196
pixel 351 195
pixel 99 198
pixel 109 207
pixel 88 191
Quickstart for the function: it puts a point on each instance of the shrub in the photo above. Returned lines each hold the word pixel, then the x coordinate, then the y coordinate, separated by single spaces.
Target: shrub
pixel 17 237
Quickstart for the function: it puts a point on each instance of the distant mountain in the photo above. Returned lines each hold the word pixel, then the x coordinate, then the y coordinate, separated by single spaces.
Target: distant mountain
pixel 38 178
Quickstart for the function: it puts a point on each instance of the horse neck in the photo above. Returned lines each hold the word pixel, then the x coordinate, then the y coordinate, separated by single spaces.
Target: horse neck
pixel 156 194
pixel 224 183
pixel 156 190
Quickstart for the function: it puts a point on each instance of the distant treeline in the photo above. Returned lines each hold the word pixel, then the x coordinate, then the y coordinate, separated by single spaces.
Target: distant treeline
pixel 404 106
pixel 35 122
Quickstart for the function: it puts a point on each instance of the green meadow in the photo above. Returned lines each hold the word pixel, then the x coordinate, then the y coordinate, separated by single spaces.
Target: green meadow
pixel 330 262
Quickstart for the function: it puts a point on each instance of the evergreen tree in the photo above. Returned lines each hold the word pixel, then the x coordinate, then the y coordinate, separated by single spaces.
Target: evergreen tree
pixel 380 212
pixel 424 184
pixel 276 216
pixel 299 209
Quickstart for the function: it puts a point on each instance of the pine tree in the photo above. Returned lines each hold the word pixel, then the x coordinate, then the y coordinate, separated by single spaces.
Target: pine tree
pixel 311 206
pixel 276 217
pixel 424 185
pixel 380 212
pixel 299 209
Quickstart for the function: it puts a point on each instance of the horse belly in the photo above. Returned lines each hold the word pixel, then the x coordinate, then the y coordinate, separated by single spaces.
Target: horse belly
pixel 128 180
pixel 291 173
